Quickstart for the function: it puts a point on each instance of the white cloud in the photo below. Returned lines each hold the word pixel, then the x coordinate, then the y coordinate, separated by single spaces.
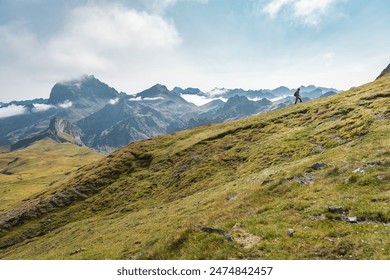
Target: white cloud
pixel 307 11
pixel 274 7
pixel 113 101
pixel 12 110
pixel 146 98
pixel 42 107
pixel 196 99
pixel 111 41
pixel 217 92
pixel 98 37
pixel 160 6
pixel 66 105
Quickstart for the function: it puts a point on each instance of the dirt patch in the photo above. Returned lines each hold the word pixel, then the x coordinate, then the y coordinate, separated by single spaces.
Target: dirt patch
pixel 244 238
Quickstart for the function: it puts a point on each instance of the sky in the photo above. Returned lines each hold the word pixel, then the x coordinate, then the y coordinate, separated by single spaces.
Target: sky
pixel 133 44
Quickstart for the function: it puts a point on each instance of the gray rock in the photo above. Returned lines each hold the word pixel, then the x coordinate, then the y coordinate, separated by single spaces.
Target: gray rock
pixel 335 209
pixel 318 166
pixel 358 170
pixel 290 232
pixel 227 236
pixel 353 220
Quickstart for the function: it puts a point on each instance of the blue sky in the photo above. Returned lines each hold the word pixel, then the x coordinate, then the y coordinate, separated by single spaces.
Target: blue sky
pixel 134 44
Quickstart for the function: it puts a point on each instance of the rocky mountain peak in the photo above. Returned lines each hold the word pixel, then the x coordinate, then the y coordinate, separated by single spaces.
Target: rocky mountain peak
pixel 86 87
pixel 190 90
pixel 155 91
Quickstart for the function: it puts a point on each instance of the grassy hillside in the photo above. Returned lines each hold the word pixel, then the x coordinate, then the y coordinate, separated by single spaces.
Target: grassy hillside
pixel 320 168
pixel 28 171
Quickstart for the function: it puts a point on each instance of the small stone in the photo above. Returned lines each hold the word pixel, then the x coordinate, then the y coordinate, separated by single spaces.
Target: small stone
pixel 265 182
pixel 290 232
pixel 232 197
pixel 353 220
pixel 358 170
pixel 318 165
pixel 335 209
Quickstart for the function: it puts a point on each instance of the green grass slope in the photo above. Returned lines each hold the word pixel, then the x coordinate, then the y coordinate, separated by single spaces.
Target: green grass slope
pixel 28 171
pixel 320 168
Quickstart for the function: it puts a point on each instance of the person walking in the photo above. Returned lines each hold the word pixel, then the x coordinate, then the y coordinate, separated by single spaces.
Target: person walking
pixel 297 96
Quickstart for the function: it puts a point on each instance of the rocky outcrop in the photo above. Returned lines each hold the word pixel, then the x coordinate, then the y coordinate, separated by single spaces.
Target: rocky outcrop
pixel 59 130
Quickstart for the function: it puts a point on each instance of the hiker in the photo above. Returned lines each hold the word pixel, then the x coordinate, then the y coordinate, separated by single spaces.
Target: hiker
pixel 297 96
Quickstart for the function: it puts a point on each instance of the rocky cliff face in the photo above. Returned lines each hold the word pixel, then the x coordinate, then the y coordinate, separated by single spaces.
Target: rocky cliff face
pixel 59 130
pixel 60 126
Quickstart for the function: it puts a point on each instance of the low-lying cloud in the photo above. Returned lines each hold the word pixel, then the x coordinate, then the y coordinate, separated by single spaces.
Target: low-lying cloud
pixel 42 107
pixel 113 101
pixel 12 110
pixel 66 105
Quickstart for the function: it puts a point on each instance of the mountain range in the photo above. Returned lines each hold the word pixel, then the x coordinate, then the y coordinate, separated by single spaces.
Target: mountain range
pixel 105 119
pixel 309 181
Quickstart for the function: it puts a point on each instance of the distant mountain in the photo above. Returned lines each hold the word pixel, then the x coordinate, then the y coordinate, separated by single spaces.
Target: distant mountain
pixel 27 103
pixel 105 120
pixel 72 101
pixel 152 112
pixel 282 91
pixel 155 92
pixel 311 93
pixel 88 87
pixel 235 108
pixel 81 97
pixel 192 91
pixel 228 93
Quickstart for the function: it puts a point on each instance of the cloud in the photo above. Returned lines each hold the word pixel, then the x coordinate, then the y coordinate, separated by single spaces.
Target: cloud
pixel 160 6
pixel 12 110
pixel 98 37
pixel 274 7
pixel 113 101
pixel 216 92
pixel 307 11
pixel 41 107
pixel 196 99
pixel 139 98
pixel 66 105
pixel 111 41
